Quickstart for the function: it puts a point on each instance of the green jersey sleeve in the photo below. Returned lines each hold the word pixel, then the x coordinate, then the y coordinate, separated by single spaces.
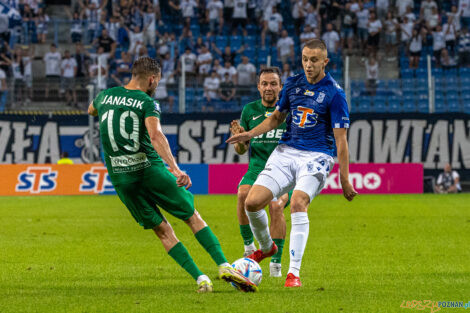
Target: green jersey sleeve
pixel 152 108
pixel 98 99
pixel 243 119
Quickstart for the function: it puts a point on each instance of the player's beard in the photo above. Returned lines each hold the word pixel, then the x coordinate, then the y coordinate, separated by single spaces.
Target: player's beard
pixel 269 99
pixel 151 91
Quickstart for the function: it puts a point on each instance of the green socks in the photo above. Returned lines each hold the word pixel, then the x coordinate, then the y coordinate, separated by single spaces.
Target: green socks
pixel 277 257
pixel 182 257
pixel 246 233
pixel 211 244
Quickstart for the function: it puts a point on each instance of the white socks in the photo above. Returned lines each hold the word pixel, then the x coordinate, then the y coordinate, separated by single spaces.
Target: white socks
pixel 298 240
pixel 250 247
pixel 202 278
pixel 259 227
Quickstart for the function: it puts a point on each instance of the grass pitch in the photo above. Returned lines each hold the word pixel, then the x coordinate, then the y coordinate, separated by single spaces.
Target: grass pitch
pixel 86 254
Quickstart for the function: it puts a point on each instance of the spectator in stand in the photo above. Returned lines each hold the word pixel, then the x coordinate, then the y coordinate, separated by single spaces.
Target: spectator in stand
pixel 136 18
pixel 42 23
pixel 402 6
pixel 272 26
pixel 228 68
pixel 382 7
pixel 464 11
pixel 372 75
pixel 216 67
pixel 331 39
pixel 450 36
pixel 406 30
pixel 409 14
pixel 161 94
pixel 426 10
pixel 4 29
pixel 415 47
pixel 16 66
pixel 174 8
pixel 200 43
pixel 433 19
pixel 391 26
pixel 362 31
pixel 306 35
pixel 106 42
pixel 112 26
pixel 349 20
pixel 246 73
pixel 68 69
pixel 76 29
pixel 447 60
pixel 438 43
pixel 91 13
pixel 27 60
pixel 448 181
pixel 52 60
pixel 189 65
pixel 82 58
pixel 168 67
pixel 122 69
pixel 228 54
pixel 228 11
pixel 136 38
pixel 150 26
pixel 374 28
pixel 214 15
pixel 187 38
pixel 299 10
pixel 98 76
pixel 211 86
pixel 455 16
pixel 285 48
pixel 464 47
pixel 226 91
pixel 188 8
pixel 3 90
pixel 286 72
pixel 204 61
pixel 312 16
pixel 239 16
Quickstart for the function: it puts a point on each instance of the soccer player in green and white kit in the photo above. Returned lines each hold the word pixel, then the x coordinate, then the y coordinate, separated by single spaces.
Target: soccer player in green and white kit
pixel 269 86
pixel 134 146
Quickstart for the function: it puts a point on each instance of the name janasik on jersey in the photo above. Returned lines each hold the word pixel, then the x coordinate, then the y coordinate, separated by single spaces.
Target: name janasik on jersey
pixel 130 102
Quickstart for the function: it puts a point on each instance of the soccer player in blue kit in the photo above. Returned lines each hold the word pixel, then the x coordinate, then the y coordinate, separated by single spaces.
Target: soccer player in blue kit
pixel 317 121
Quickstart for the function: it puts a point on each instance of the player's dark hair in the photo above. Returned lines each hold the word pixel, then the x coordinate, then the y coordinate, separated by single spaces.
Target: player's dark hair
pixel 315 44
pixel 270 70
pixel 145 66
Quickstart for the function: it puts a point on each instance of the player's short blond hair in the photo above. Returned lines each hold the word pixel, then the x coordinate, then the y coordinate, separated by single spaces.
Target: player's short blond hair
pixel 315 44
pixel 145 66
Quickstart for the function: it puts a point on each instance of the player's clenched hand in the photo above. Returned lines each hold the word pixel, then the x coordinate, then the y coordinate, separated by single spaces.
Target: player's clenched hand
pixel 235 128
pixel 348 191
pixel 182 179
pixel 241 137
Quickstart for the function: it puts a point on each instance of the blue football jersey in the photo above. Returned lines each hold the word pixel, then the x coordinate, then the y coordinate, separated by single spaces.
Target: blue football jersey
pixel 313 112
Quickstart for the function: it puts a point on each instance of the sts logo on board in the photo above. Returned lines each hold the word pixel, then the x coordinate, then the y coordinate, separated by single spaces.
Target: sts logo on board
pixel 37 179
pixel 96 180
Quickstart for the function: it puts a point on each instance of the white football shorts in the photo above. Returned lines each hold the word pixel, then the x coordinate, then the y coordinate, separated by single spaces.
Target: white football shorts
pixel 288 168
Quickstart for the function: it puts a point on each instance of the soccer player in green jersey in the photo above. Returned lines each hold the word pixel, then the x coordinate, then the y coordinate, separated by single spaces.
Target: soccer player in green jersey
pixel 134 146
pixel 269 86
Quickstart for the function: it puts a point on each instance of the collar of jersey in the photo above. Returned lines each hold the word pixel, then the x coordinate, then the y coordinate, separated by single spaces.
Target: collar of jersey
pixel 321 82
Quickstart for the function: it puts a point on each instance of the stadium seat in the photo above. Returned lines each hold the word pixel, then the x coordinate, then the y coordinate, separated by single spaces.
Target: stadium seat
pixel 422 73
pixel 437 72
pixel 453 106
pixel 440 107
pixel 394 106
pixel 407 73
pixel 423 106
pixel 466 107
pixel 409 106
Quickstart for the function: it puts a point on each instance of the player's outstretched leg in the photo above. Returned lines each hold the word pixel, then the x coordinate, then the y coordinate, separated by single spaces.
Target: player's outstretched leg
pixel 180 254
pixel 257 199
pixel 210 243
pixel 245 229
pixel 298 236
pixel 278 232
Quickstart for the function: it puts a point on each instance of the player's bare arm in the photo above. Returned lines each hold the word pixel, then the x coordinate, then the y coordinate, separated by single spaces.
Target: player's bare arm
pixel 272 122
pixel 91 110
pixel 343 159
pixel 161 145
pixel 236 128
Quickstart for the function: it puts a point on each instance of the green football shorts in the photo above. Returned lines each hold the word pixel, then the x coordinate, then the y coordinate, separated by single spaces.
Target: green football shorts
pixel 144 198
pixel 250 177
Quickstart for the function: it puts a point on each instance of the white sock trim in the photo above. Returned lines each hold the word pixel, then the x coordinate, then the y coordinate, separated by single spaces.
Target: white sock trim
pixel 202 278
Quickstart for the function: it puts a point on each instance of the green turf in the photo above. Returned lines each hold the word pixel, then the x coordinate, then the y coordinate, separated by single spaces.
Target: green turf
pixel 86 254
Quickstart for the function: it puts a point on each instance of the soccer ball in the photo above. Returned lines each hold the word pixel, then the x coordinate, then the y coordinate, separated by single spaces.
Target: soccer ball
pixel 250 269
